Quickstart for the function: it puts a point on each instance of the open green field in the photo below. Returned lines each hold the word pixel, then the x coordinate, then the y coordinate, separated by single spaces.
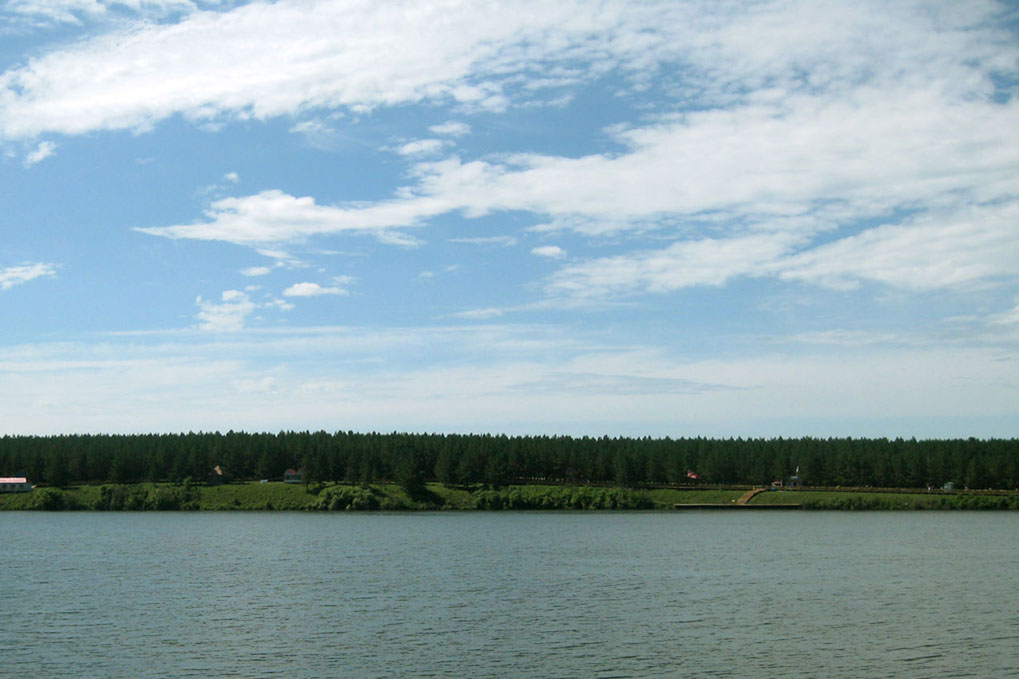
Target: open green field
pixel 391 497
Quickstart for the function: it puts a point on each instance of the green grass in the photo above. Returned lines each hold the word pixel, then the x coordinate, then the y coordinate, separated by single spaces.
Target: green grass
pixel 343 497
pixel 833 499
pixel 666 497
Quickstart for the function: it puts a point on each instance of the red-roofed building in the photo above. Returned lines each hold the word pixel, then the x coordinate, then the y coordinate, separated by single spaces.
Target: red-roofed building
pixel 14 484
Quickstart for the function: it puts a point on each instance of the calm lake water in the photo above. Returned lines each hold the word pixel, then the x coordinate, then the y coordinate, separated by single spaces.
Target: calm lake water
pixel 683 594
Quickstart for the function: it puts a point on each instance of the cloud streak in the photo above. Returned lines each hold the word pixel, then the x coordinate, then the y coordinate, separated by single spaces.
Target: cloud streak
pixel 314 290
pixel 490 379
pixel 13 276
pixel 273 217
pixel 244 63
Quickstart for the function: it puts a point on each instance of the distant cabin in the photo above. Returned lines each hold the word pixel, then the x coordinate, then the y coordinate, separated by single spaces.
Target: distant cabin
pixel 949 486
pixel 14 484
pixel 793 481
pixel 293 476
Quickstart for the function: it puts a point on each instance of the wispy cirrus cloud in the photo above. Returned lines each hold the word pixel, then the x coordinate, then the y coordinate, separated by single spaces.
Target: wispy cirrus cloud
pixel 22 14
pixel 13 276
pixel 452 128
pixel 472 378
pixel 243 62
pixel 806 142
pixel 680 265
pixel 792 169
pixel 421 147
pixel 965 247
pixel 502 241
pixel 273 217
pixel 951 249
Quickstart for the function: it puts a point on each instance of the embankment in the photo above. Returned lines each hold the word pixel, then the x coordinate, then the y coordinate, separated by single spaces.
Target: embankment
pixel 391 497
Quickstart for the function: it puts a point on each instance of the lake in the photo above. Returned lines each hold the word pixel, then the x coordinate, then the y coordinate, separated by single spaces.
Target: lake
pixel 595 594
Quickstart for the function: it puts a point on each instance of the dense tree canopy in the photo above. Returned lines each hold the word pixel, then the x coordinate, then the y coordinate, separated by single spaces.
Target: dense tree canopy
pixel 497 460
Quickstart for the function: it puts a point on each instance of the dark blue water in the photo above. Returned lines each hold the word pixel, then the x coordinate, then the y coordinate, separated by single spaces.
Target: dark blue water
pixel 686 594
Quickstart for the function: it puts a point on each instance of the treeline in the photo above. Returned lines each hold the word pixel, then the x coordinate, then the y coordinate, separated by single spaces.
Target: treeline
pixel 411 459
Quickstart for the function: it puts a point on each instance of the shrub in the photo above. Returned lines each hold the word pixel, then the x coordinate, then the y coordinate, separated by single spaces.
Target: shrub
pixel 347 498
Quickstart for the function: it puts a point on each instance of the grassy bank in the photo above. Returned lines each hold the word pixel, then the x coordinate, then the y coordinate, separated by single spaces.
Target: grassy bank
pixel 333 497
pixel 832 499
pixel 391 497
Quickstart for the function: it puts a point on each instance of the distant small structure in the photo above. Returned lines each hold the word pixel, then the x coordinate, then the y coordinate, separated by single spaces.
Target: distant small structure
pixel 15 484
pixel 794 481
pixel 778 483
pixel 217 477
pixel 293 476
pixel 949 486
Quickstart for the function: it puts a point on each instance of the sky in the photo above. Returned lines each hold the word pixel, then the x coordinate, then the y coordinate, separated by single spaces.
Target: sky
pixel 684 218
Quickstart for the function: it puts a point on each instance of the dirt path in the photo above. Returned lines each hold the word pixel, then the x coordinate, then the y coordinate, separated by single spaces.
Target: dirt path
pixel 749 495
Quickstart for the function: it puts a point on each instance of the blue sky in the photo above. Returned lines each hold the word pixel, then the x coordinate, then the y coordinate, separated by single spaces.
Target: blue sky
pixel 666 219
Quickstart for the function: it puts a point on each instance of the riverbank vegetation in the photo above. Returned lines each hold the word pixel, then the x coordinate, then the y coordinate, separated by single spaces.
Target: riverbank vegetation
pixel 498 461
pixel 254 496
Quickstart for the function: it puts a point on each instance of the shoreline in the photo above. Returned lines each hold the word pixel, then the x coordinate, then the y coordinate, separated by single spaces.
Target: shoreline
pixel 278 496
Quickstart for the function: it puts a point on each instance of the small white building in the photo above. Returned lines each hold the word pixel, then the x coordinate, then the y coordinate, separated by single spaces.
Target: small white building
pixel 14 484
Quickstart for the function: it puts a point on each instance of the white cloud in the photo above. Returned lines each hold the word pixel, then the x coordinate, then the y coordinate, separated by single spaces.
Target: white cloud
pixel 228 314
pixel 681 265
pixel 322 134
pixel 549 251
pixel 271 59
pixel 504 241
pixel 47 12
pixel 478 314
pixel 941 250
pixel 806 167
pixel 452 128
pixel 802 119
pixel 276 217
pixel 850 338
pixel 276 303
pixel 232 177
pixel 421 147
pixel 261 60
pixel 950 249
pixel 44 150
pixel 806 118
pixel 283 257
pixel 880 151
pixel 257 271
pixel 314 290
pixel 16 275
